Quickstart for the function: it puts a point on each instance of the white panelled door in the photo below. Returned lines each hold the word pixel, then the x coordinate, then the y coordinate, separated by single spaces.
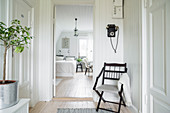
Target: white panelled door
pixel 22 61
pixel 158 56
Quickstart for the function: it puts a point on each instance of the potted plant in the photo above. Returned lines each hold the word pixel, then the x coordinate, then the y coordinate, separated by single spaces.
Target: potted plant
pixel 18 37
pixel 79 60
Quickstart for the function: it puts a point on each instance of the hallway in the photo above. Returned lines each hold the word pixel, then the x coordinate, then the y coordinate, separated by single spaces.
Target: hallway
pixel 143 43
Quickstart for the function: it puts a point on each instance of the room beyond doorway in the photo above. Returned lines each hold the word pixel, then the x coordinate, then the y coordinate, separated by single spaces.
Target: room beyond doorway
pixel 68 49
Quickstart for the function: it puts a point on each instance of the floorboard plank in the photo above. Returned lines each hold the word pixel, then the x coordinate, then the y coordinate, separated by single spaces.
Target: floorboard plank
pixel 77 86
pixel 52 106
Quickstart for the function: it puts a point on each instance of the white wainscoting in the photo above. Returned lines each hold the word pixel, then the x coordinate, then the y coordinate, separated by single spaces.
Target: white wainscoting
pixel 132 47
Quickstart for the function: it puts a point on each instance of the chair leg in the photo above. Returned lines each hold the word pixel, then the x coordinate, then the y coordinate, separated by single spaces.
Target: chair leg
pixel 81 69
pixel 99 95
pixel 91 69
pixel 122 99
pixel 76 68
pixel 86 71
pixel 99 101
pixel 123 102
pixel 120 103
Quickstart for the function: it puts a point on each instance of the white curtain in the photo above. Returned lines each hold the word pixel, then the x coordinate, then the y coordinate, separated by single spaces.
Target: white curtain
pixel 90 47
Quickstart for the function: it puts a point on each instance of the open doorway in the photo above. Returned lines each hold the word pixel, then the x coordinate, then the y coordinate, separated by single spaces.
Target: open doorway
pixel 72 76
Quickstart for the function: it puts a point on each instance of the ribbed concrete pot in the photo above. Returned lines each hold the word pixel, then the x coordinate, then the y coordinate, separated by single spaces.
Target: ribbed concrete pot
pixel 8 93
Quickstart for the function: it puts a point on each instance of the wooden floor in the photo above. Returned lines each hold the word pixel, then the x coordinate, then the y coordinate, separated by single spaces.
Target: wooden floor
pixel 78 86
pixel 51 107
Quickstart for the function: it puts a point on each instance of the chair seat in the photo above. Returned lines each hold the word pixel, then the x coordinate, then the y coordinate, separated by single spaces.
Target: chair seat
pixel 108 88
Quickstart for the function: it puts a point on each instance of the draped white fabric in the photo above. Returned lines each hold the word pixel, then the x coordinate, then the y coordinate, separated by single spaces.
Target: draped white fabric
pixel 124 79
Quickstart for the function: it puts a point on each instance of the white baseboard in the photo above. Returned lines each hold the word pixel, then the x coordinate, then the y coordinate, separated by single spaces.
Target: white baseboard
pixel 133 109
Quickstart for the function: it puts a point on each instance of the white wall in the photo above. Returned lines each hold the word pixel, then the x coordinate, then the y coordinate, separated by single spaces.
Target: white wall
pixel 72 47
pixel 35 85
pixel 57 36
pixel 45 50
pixel 102 48
pixel 73 43
pixel 57 33
pixel 66 14
pixel 3 10
pixel 132 47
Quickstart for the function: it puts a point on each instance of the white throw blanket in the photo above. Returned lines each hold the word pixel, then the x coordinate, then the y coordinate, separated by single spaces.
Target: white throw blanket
pixel 124 79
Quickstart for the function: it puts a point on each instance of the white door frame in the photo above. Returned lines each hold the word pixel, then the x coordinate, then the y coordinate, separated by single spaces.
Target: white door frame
pixel 144 60
pixel 54 51
pixel 71 2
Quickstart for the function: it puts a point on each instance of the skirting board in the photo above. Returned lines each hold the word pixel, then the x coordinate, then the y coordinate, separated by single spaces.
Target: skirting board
pixel 133 109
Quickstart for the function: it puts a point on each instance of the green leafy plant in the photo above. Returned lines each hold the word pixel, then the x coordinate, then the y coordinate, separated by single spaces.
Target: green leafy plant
pixel 79 60
pixel 15 36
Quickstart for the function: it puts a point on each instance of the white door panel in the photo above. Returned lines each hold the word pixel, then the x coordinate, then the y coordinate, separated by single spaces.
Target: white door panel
pixel 158 34
pixel 22 61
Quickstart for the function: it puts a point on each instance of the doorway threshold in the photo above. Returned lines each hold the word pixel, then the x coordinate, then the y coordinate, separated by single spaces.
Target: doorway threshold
pixel 72 99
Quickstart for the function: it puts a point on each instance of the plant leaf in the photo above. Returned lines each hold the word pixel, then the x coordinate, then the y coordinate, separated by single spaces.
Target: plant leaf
pixel 19 49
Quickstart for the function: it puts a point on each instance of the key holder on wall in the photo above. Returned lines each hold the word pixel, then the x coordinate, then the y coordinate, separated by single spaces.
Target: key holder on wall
pixel 111 33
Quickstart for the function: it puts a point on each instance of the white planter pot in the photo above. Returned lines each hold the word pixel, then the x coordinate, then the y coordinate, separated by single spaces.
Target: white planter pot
pixel 8 94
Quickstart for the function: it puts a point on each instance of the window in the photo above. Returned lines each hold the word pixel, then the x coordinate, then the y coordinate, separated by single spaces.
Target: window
pixel 82 47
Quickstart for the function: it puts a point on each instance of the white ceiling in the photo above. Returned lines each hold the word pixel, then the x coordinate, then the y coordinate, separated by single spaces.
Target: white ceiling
pixel 66 14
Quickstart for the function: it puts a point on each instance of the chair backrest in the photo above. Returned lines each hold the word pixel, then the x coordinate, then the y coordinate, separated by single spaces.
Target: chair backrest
pixel 113 71
pixel 85 62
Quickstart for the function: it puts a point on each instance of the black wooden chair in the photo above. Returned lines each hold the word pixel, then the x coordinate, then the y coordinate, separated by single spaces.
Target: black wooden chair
pixel 79 66
pixel 110 71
